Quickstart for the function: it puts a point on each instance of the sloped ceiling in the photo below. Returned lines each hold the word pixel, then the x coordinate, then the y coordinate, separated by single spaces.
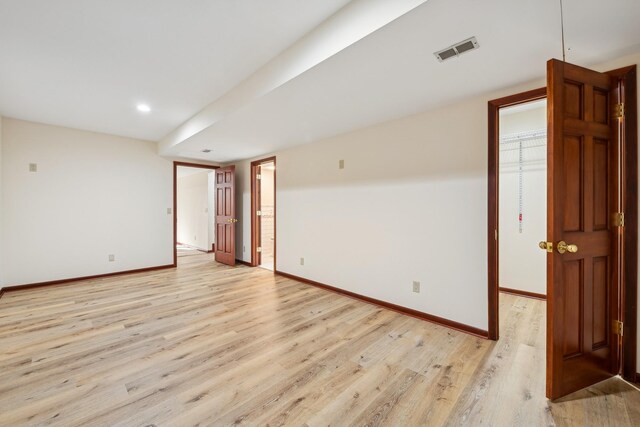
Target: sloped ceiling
pixel 393 72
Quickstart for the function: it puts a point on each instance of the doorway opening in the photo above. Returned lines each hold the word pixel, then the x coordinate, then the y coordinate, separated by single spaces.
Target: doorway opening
pixel 263 213
pixel 522 198
pixel 511 104
pixel 193 208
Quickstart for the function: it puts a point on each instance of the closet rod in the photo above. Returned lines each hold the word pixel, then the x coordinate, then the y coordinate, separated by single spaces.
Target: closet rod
pixel 524 148
pixel 538 134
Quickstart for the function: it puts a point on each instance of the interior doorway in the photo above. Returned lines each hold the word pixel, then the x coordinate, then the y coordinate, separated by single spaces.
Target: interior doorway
pixel 512 102
pixel 193 208
pixel 522 198
pixel 263 218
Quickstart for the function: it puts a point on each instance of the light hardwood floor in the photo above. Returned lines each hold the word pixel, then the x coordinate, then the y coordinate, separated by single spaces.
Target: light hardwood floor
pixel 207 344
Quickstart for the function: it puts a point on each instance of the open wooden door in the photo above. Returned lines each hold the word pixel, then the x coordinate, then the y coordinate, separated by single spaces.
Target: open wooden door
pixel 583 233
pixel 226 216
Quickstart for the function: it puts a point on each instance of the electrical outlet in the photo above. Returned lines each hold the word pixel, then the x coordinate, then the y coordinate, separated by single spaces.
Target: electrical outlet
pixel 244 249
pixel 416 287
pixel 341 164
pixel 112 258
pixel 33 167
pixel 168 211
pixel 301 261
pixel 195 237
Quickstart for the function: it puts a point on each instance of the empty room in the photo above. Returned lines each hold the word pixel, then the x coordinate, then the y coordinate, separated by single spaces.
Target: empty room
pixel 320 212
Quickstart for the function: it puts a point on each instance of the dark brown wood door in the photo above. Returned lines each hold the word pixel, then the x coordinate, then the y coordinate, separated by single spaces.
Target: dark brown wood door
pixel 582 286
pixel 226 216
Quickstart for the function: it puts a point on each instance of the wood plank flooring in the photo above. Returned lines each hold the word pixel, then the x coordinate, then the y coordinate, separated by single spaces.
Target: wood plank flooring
pixel 207 344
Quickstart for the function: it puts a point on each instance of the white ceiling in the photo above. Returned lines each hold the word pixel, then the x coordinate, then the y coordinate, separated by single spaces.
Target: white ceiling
pixel 86 63
pixel 393 73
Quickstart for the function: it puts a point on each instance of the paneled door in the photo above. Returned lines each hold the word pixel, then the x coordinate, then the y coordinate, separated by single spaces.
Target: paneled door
pixel 583 231
pixel 225 216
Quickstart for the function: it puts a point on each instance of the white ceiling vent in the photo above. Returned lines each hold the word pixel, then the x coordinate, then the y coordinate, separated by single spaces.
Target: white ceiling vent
pixel 457 49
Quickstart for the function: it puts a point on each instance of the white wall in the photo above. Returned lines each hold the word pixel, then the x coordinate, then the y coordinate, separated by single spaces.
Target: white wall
pixel 93 195
pixel 406 207
pixel 193 210
pixel 523 265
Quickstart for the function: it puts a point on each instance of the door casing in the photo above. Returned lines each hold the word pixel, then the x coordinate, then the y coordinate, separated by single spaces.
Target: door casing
pixel 255 203
pixel 175 201
pixel 493 201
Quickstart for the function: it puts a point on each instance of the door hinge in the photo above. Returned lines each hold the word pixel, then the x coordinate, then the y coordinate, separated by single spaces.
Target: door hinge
pixel 618 219
pixel 495 234
pixel 618 111
pixel 258 176
pixel 259 213
pixel 258 249
pixel 618 327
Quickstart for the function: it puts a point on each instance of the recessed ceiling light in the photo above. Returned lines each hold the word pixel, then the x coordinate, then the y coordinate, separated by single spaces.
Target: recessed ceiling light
pixel 143 108
pixel 206 150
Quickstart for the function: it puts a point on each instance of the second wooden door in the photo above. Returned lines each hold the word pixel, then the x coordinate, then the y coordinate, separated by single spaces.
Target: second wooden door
pixel 225 216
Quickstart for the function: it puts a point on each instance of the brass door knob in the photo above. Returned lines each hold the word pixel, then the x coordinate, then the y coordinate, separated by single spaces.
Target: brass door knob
pixel 564 247
pixel 546 246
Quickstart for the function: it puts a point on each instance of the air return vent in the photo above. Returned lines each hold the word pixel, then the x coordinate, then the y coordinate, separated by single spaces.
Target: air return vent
pixel 457 49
